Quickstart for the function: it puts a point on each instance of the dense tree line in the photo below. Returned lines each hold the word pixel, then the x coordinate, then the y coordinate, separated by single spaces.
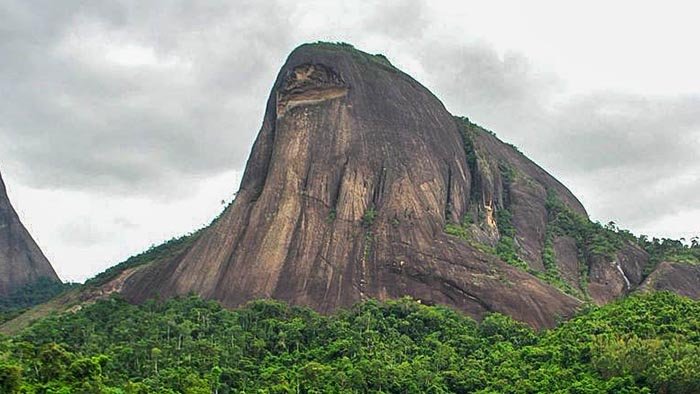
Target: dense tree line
pixel 29 295
pixel 666 249
pixel 645 343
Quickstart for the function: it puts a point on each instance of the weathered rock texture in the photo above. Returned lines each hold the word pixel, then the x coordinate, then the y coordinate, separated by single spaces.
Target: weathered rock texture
pixel 610 278
pixel 506 179
pixel 350 183
pixel 347 193
pixel 680 278
pixel 21 260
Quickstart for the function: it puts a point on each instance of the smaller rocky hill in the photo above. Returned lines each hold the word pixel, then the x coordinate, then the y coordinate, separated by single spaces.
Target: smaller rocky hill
pixel 22 263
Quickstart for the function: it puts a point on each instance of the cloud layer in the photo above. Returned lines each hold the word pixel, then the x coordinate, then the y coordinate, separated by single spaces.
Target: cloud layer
pixel 630 157
pixel 123 120
pixel 127 98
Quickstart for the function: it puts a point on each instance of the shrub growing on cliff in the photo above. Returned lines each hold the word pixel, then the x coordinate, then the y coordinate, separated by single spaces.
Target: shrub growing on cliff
pixel 591 237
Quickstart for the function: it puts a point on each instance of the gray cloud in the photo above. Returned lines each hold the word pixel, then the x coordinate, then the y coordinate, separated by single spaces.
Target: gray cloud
pixel 475 79
pixel 616 131
pixel 629 157
pixel 641 153
pixel 397 19
pixel 85 117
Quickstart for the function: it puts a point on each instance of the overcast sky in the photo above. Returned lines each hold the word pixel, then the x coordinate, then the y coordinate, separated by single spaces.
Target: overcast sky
pixel 125 123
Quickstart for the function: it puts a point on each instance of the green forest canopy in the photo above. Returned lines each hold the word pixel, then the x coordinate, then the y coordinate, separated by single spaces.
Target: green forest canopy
pixel 644 343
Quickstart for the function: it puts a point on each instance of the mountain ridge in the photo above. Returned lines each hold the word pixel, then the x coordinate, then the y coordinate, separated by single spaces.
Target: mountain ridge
pixel 355 172
pixel 362 185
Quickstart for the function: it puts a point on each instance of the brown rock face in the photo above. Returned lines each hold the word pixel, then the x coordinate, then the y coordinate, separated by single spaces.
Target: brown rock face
pixel 354 175
pixel 610 278
pixel 567 257
pixel 506 179
pixel 21 260
pixel 681 278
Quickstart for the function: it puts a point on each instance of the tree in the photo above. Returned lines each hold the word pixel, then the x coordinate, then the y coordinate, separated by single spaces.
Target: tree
pixel 10 377
pixel 155 354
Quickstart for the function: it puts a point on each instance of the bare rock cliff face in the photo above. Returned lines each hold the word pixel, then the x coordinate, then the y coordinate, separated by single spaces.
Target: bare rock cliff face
pixel 21 260
pixel 353 177
pixel 683 279
pixel 507 180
